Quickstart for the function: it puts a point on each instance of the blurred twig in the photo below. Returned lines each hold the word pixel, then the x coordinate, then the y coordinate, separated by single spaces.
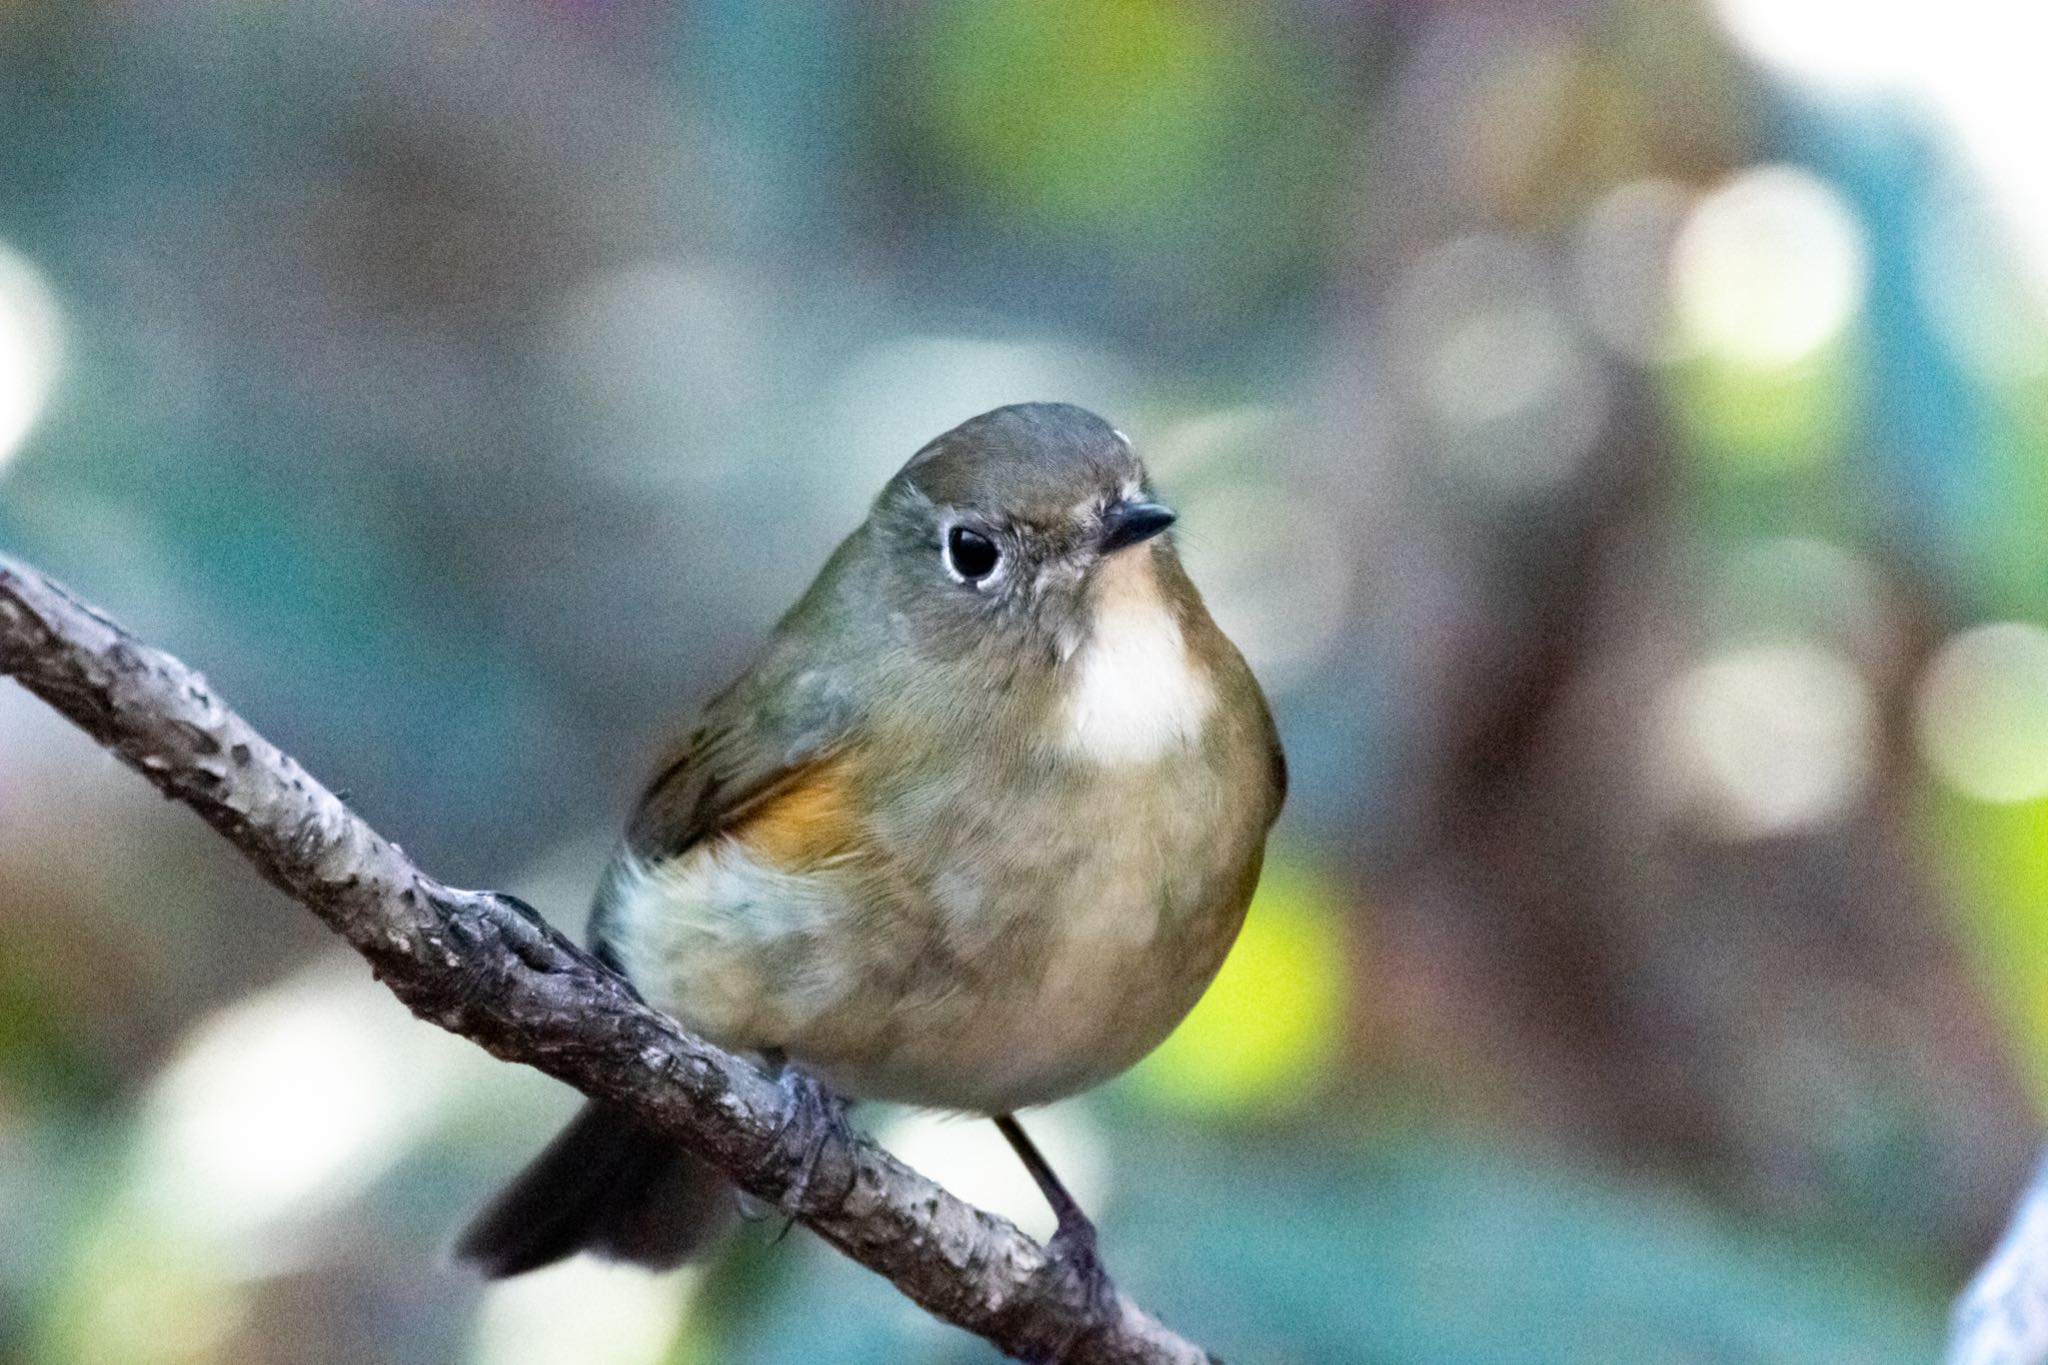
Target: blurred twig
pixel 483 966
pixel 2002 1318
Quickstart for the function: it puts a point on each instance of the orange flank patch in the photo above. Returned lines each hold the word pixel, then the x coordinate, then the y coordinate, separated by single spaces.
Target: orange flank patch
pixel 806 819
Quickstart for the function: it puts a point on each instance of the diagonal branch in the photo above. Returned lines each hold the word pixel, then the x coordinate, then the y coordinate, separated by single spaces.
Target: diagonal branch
pixel 485 967
pixel 2001 1317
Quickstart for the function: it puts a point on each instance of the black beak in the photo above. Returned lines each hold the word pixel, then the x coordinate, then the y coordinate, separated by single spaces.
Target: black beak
pixel 1128 523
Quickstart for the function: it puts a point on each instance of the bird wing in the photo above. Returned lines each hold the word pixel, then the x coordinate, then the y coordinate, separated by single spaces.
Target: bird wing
pixel 768 763
pixel 705 780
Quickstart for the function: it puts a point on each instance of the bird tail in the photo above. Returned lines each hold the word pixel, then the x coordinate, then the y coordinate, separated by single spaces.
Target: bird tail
pixel 605 1186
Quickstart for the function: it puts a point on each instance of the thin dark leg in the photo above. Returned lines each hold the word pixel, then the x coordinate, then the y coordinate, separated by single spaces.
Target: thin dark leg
pixel 1072 1221
pixel 1073 1244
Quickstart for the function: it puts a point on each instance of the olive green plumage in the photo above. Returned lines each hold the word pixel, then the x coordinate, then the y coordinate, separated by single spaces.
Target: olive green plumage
pixel 975 830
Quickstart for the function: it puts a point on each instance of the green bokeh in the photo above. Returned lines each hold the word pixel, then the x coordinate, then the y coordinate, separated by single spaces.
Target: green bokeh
pixel 1150 125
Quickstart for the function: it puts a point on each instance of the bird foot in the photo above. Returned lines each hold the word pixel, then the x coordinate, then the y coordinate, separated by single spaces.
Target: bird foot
pixel 812 1117
pixel 1078 1277
pixel 540 945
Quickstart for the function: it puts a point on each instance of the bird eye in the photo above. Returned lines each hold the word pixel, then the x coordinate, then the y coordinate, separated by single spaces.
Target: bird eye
pixel 973 556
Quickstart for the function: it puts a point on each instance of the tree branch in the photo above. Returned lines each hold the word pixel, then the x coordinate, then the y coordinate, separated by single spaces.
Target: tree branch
pixel 485 967
pixel 2001 1318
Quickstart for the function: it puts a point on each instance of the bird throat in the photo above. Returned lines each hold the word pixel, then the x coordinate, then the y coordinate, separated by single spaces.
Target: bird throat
pixel 1134 691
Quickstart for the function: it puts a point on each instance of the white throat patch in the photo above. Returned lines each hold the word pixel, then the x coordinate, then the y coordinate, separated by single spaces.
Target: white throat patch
pixel 1136 691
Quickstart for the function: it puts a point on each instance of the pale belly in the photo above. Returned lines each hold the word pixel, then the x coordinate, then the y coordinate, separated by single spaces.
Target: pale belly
pixel 1029 954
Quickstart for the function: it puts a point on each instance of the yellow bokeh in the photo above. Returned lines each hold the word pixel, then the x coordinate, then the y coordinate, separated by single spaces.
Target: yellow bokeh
pixel 1998 856
pixel 1270 1028
pixel 1748 421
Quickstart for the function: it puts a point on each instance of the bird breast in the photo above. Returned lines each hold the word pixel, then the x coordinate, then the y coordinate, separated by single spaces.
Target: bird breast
pixel 985 932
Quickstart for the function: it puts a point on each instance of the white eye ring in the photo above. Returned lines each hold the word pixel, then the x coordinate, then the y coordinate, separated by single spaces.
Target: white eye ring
pixel 971 555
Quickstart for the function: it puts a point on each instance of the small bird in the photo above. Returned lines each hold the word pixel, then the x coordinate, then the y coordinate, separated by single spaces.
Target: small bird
pixel 973 833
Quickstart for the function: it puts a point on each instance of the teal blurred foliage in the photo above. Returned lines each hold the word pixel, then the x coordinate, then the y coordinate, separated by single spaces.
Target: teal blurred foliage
pixel 1397 1247
pixel 1616 431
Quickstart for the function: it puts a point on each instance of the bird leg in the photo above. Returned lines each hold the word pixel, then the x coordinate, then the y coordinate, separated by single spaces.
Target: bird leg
pixel 1072 1247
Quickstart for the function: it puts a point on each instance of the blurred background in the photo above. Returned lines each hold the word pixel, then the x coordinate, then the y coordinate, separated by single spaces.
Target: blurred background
pixel 1616 430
